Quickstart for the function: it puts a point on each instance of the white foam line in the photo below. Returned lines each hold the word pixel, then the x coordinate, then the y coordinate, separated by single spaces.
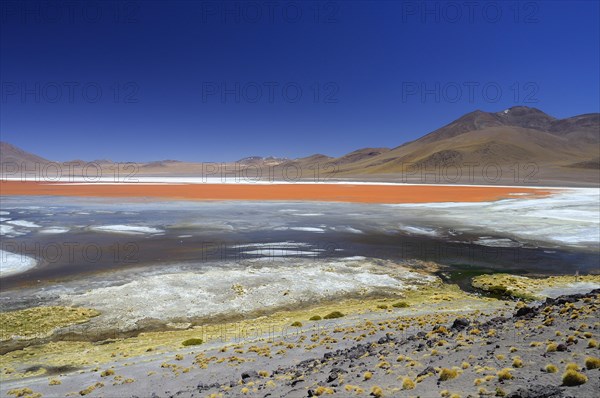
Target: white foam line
pixel 54 230
pixel 149 180
pixel 127 229
pixel 308 229
pixel 278 245
pixel 282 252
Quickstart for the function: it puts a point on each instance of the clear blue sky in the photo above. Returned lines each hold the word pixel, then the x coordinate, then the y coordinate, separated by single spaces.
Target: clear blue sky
pixel 210 81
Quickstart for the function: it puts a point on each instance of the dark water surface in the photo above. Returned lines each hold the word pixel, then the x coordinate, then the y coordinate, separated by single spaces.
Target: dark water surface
pixel 196 233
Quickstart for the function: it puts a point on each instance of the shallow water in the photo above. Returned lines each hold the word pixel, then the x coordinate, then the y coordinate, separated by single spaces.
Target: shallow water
pixel 82 236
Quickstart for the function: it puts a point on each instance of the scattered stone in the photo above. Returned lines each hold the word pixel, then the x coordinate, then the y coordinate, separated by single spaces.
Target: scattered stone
pixel 561 347
pixel 203 387
pixel 428 369
pixel 525 311
pixel 334 374
pixel 537 391
pixel 251 374
pixel 460 324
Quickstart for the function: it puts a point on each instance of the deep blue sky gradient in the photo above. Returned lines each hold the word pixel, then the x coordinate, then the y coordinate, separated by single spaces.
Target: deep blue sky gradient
pixel 370 59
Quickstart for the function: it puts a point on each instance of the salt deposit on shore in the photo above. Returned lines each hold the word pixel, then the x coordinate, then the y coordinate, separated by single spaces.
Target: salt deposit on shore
pixel 569 217
pixel 23 223
pixel 243 288
pixel 12 263
pixel 9 231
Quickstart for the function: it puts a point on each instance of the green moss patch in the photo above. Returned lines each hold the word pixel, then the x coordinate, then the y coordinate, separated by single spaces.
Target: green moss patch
pixel 41 321
pixel 521 287
pixel 192 342
pixel 333 315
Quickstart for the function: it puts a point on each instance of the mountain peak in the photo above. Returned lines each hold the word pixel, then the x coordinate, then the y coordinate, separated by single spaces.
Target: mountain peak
pixel 526 117
pixel 524 108
pixel 515 116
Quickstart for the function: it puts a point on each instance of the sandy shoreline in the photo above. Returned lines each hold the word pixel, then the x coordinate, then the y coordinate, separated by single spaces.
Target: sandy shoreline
pixel 357 193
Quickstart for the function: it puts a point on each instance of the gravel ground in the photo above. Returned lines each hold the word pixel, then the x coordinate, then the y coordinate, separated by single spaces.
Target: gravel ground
pixel 471 354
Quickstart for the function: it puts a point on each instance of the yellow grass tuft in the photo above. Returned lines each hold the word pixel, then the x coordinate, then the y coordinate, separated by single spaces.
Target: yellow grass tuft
pixel 91 388
pixel 572 366
pixel 573 378
pixel 551 368
pixel 552 347
pixel 408 384
pixel 107 372
pixel 447 374
pixel 592 363
pixel 323 390
pixel 504 374
pixel 377 392
pixel 19 392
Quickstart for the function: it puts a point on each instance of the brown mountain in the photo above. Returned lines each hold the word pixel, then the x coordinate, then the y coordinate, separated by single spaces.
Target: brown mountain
pixel 360 154
pixel 562 150
pixel 519 135
pixel 583 128
pixel 11 154
pixel 518 116
pixel 578 127
pixel 260 161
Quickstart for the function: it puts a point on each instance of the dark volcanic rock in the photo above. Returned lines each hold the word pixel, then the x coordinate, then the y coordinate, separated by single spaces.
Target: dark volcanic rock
pixel 356 352
pixel 386 339
pixel 332 376
pixel 460 323
pixel 561 347
pixel 537 391
pixel 524 311
pixel 204 387
pixel 428 369
pixel 297 381
pixel 498 320
pixel 251 374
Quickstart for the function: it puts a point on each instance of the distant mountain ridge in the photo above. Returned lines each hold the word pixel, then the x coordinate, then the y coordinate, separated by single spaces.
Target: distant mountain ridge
pixel 518 134
pixel 523 117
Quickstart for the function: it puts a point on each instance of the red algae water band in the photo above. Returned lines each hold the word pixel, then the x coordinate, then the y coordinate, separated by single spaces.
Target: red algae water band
pixel 357 193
